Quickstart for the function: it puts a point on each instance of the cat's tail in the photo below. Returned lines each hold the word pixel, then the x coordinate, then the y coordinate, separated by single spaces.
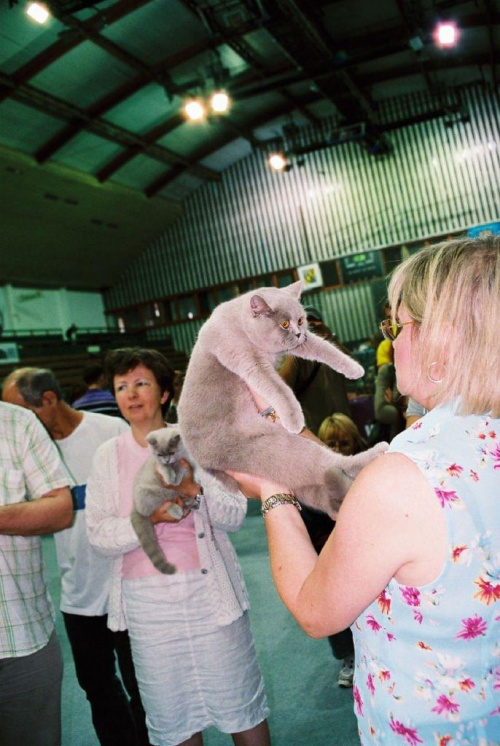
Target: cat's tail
pixel 145 531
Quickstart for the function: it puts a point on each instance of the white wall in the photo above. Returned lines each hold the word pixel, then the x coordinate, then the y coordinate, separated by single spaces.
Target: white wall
pixel 32 308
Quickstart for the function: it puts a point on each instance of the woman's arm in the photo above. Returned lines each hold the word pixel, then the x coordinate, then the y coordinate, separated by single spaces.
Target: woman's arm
pixel 388 526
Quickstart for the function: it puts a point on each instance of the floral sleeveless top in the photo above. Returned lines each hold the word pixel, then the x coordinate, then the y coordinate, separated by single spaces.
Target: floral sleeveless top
pixel 428 657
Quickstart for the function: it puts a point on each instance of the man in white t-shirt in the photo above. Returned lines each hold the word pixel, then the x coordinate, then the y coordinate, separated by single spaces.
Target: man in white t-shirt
pixel 118 719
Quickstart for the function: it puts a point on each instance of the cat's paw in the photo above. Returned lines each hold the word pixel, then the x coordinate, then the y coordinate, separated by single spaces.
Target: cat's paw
pixel 354 370
pixel 292 420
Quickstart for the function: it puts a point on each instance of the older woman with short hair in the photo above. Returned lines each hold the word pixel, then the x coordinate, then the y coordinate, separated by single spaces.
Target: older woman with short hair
pixel 414 561
pixel 190 634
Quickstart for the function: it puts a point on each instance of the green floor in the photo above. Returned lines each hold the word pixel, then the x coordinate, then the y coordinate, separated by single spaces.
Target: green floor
pixel 307 707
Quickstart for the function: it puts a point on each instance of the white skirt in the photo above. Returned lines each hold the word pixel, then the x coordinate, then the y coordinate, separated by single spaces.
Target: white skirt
pixel 191 672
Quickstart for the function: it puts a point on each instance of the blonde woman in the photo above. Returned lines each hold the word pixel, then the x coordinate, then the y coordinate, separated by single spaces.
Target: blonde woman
pixel 414 561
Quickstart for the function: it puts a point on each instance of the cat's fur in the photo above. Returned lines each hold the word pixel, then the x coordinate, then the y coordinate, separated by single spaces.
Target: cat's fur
pixel 167 449
pixel 237 350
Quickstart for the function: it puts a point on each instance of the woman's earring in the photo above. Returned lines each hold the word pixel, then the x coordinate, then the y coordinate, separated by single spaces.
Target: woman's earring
pixel 429 376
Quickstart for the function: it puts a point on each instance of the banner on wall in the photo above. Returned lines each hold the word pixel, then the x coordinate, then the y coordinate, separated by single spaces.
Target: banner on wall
pixel 363 266
pixel 311 276
pixel 488 229
pixel 8 353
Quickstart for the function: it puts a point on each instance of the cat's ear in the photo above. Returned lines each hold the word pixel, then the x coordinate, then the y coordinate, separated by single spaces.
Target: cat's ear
pixel 175 440
pixel 152 439
pixel 258 306
pixel 295 289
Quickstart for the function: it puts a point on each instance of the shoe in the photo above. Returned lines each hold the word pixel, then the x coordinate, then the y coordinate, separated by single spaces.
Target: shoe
pixel 346 673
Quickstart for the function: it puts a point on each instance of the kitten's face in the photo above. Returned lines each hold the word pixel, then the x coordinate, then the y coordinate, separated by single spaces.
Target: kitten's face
pixel 275 320
pixel 165 444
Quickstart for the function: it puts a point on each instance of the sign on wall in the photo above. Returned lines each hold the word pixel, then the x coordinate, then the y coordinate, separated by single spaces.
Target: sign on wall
pixel 8 353
pixel 311 276
pixel 361 267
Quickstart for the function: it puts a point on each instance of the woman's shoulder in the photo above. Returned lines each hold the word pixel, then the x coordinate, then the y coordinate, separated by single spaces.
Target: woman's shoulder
pixel 107 451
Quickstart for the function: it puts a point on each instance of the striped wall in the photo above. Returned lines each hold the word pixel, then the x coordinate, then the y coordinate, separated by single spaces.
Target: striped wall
pixel 334 202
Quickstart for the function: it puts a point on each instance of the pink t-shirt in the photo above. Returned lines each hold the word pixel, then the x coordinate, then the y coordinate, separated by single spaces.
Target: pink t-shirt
pixel 177 540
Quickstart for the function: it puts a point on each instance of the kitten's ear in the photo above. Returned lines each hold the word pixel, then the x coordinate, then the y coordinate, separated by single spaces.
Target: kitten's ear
pixel 152 440
pixel 295 289
pixel 175 441
pixel 258 305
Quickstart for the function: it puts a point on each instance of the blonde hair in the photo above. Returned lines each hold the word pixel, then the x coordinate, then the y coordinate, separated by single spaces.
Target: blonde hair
pixel 452 291
pixel 338 424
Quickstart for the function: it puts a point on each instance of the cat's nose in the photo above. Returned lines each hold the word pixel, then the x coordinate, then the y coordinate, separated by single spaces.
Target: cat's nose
pixel 298 334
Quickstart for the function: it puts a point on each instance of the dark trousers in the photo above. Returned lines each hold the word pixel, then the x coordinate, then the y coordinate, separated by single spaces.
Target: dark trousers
pixel 319 527
pixel 30 697
pixel 118 719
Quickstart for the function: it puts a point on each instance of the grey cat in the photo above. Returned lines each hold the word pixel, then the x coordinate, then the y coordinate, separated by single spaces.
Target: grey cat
pixel 237 350
pixel 148 493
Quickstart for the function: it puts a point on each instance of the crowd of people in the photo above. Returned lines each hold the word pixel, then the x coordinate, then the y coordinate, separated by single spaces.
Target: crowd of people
pixel 405 584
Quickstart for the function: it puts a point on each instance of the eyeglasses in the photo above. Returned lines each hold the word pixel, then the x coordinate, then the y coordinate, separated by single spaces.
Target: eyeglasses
pixel 390 329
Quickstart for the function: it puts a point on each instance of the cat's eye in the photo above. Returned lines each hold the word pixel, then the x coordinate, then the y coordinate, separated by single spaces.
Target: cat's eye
pixel 300 321
pixel 285 324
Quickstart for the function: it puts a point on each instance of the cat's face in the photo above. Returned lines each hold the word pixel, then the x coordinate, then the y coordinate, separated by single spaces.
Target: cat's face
pixel 274 318
pixel 165 444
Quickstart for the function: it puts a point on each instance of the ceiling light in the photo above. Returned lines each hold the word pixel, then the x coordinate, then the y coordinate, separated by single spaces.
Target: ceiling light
pixel 38 12
pixel 278 162
pixel 194 109
pixel 446 34
pixel 220 102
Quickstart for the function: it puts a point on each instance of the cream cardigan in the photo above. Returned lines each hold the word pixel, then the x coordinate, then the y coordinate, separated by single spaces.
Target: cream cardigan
pixel 113 536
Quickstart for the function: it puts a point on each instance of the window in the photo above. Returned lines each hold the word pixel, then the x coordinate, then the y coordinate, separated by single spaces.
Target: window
pixel 330 272
pixel 187 307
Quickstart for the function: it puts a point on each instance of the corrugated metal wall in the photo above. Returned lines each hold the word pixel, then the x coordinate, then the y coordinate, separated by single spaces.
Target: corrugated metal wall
pixel 438 179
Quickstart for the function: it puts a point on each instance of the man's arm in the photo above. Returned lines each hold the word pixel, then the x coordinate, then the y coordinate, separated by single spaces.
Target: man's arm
pixel 52 512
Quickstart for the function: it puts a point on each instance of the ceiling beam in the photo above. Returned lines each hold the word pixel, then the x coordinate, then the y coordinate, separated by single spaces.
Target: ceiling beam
pixel 223 140
pixel 114 165
pixel 46 103
pixel 68 40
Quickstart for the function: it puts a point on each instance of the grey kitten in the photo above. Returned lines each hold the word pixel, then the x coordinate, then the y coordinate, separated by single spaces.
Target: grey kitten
pixel 148 493
pixel 237 350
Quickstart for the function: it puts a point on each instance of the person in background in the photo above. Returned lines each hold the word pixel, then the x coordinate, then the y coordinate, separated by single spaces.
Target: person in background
pixel 85 574
pixel 97 398
pixel 71 333
pixel 179 376
pixel 413 564
pixel 321 391
pixel 190 633
pixel 388 405
pixel 339 433
pixel 414 411
pixel 34 499
pixel 384 354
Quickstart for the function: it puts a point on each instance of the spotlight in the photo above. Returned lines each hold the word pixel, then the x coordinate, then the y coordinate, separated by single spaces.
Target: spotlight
pixel 220 102
pixel 278 162
pixel 194 109
pixel 445 35
pixel 38 12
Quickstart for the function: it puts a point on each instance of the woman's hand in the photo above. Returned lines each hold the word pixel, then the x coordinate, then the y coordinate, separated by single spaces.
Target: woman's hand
pixel 186 488
pixel 256 487
pixel 162 514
